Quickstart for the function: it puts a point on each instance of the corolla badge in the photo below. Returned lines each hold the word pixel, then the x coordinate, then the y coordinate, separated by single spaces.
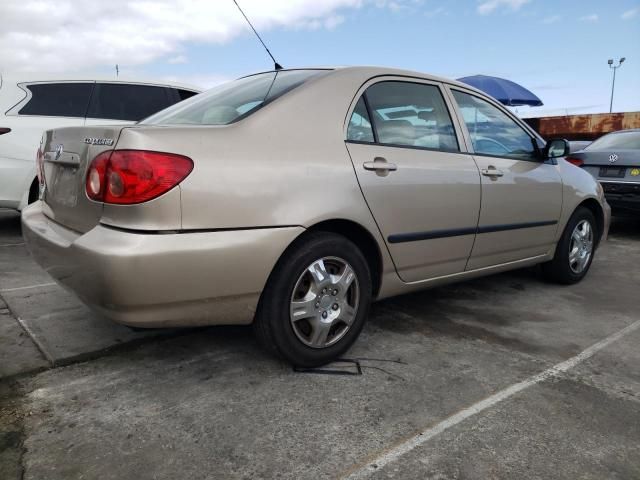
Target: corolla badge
pixel 613 158
pixel 59 151
pixel 98 141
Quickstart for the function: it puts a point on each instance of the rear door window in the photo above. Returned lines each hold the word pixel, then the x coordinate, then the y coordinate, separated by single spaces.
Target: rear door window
pixel 411 114
pixel 69 99
pixel 120 101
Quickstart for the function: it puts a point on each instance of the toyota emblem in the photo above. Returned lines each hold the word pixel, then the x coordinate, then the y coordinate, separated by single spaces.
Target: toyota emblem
pixel 613 157
pixel 60 150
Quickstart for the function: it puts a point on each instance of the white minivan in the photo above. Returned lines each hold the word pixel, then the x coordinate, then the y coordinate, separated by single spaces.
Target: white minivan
pixel 30 106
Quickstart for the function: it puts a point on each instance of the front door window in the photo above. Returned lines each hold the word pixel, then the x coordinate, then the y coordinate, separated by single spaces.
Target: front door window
pixel 492 131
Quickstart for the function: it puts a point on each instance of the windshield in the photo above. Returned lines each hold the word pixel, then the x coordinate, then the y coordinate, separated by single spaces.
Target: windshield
pixel 232 101
pixel 618 140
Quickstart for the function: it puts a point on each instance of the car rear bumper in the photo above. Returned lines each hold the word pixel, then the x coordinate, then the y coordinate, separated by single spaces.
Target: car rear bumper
pixel 624 197
pixel 159 280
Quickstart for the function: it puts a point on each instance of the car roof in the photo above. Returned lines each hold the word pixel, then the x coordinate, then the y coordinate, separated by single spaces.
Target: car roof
pixel 376 71
pixel 16 78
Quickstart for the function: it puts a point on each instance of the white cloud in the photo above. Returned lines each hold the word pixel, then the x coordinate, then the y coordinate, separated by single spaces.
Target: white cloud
pixel 202 81
pixel 66 35
pixel 589 18
pixel 178 59
pixel 629 14
pixel 489 6
pixel 328 23
pixel 552 19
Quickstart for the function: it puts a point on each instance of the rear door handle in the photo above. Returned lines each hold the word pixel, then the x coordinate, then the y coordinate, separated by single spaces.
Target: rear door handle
pixel 492 172
pixel 380 166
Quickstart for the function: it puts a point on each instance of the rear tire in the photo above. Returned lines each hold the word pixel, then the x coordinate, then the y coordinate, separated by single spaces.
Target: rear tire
pixel 34 192
pixel 316 300
pixel 575 249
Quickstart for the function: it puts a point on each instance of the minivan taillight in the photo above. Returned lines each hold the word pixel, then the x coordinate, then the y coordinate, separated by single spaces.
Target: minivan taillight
pixel 127 177
pixel 575 161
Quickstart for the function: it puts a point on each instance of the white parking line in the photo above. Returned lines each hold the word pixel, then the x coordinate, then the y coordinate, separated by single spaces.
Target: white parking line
pixel 38 343
pixel 11 244
pixel 375 464
pixel 17 289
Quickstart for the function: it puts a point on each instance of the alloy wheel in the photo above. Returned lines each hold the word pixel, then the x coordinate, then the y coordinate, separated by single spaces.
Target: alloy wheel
pixel 324 302
pixel 581 246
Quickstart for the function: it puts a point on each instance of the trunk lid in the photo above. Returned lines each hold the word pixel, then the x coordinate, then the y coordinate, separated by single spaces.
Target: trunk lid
pixel 68 152
pixel 611 166
pixel 613 158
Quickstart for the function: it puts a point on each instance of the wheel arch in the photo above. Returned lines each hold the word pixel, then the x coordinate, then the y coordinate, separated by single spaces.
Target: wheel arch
pixel 356 233
pixel 363 239
pixel 594 207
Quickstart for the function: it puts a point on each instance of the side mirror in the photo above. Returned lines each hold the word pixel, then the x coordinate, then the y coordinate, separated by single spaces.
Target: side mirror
pixel 558 147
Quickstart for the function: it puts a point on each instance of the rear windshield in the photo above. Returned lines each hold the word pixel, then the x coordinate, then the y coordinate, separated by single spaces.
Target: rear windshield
pixel 619 140
pixel 233 101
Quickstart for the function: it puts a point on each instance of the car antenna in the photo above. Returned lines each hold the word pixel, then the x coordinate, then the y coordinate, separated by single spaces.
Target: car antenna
pixel 277 66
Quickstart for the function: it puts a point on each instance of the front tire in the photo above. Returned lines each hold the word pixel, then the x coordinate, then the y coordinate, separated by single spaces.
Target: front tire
pixel 574 252
pixel 316 300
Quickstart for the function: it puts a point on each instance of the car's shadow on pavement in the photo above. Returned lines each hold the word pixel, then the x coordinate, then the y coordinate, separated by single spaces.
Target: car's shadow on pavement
pixel 627 228
pixel 9 226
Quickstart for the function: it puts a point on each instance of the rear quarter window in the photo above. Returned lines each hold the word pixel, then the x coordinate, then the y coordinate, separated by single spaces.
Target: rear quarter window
pixel 58 99
pixel 184 94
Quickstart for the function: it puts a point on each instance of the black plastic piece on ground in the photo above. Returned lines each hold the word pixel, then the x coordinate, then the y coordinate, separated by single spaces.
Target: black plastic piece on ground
pixel 327 370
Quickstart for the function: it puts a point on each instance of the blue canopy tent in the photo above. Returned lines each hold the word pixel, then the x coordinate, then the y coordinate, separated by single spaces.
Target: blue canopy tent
pixel 505 91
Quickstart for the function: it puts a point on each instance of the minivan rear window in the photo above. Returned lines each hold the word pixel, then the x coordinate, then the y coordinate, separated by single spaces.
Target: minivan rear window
pixel 233 101
pixel 58 99
pixel 122 101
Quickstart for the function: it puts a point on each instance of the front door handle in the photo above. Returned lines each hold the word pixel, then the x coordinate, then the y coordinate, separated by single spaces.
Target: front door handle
pixel 380 166
pixel 492 172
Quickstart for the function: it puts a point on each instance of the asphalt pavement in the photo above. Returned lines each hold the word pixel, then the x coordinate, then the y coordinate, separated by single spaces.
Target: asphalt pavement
pixel 500 377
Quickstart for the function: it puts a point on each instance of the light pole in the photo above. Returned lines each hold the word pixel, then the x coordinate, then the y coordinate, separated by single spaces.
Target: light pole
pixel 613 83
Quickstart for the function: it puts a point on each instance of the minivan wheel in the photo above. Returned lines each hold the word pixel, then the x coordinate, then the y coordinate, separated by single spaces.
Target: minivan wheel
pixel 574 252
pixel 316 300
pixel 34 192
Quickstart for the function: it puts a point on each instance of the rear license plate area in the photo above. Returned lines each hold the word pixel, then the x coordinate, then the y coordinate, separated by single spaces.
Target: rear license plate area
pixel 613 172
pixel 65 186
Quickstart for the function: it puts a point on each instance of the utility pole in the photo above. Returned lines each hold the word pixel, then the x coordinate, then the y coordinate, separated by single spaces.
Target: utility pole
pixel 613 83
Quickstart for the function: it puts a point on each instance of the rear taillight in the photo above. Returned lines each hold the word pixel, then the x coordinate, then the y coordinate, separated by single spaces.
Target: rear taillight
pixel 4 130
pixel 40 166
pixel 126 177
pixel 575 161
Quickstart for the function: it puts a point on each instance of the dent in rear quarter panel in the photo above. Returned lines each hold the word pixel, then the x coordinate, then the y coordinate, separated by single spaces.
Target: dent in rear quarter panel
pixel 284 165
pixel 162 213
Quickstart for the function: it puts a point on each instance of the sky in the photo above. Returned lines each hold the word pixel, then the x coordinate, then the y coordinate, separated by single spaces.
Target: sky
pixel 556 48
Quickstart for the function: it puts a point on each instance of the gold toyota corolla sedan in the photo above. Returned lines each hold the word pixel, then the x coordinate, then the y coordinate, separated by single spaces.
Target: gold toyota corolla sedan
pixel 291 199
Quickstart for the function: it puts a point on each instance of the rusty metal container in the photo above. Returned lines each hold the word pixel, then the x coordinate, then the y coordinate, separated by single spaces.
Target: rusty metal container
pixel 584 127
